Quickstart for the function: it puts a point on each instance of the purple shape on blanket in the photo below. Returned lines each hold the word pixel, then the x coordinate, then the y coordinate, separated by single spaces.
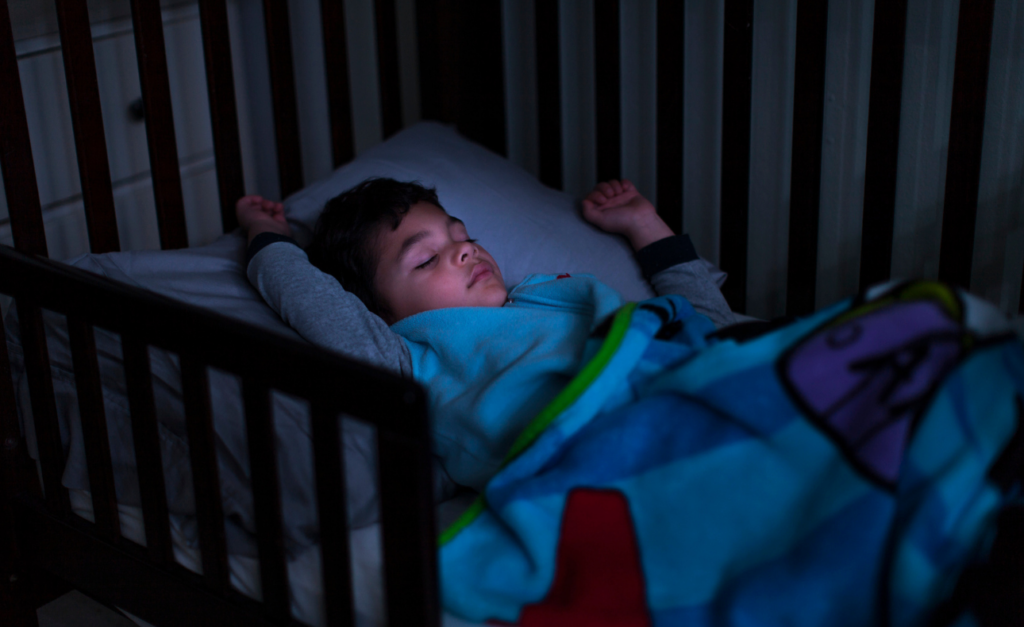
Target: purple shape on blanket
pixel 867 379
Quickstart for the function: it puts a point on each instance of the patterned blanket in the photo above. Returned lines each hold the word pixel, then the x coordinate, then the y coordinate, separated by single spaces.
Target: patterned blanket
pixel 840 470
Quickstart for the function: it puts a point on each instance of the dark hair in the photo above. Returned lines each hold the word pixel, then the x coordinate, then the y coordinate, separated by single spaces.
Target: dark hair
pixel 346 235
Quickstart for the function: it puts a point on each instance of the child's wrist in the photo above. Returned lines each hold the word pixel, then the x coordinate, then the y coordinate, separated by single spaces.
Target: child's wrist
pixel 267 226
pixel 646 233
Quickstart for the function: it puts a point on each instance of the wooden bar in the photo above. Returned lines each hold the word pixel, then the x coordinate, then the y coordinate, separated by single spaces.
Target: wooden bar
pixel 1020 307
pixel 19 171
pixel 44 410
pixel 549 93
pixel 481 73
pixel 94 428
pixel 146 437
pixel 220 89
pixel 282 88
pixel 87 121
pixel 328 459
pixel 966 130
pixel 202 447
pixel 156 100
pixel 266 497
pixel 10 432
pixel 887 48
pixel 10 452
pixel 412 589
pixel 735 186
pixel 428 43
pixel 805 178
pixel 671 36
pixel 339 96
pixel 407 518
pixel 437 38
pixel 607 105
pixel 387 68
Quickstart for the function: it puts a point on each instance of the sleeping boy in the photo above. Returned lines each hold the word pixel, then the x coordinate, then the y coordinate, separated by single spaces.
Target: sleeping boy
pixel 393 280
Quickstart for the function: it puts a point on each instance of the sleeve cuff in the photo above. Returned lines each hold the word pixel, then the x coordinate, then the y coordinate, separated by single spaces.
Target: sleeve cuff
pixel 263 240
pixel 664 254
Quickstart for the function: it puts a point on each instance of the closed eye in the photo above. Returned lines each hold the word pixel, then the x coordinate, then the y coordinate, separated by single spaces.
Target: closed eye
pixel 427 263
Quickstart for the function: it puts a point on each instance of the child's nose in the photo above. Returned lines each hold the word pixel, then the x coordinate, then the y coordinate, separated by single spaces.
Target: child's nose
pixel 463 252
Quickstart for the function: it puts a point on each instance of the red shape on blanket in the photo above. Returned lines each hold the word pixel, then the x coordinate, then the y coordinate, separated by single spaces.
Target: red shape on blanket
pixel 564 276
pixel 598 578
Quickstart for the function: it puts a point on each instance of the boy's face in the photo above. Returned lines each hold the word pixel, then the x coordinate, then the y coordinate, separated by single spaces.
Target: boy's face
pixel 428 263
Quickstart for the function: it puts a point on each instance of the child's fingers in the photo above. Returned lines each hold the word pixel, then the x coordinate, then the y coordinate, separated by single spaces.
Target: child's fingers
pixel 606 189
pixel 247 201
pixel 597 197
pixel 616 186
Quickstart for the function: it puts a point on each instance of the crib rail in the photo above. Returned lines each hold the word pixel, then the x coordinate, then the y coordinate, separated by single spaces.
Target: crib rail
pixel 396 406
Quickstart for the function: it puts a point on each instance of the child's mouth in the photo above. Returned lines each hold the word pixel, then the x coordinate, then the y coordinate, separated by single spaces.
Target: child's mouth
pixel 480 272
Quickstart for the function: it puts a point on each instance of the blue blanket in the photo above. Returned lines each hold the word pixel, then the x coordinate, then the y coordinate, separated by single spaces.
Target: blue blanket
pixel 840 470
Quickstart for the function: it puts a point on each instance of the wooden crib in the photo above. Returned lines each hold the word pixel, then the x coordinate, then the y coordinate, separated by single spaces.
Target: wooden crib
pixel 462 82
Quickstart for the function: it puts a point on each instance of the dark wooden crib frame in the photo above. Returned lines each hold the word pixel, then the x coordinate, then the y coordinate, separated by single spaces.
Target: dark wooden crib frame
pixel 461 78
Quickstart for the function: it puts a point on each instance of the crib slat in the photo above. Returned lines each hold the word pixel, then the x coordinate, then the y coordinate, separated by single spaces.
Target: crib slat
pixel 607 107
pixel 266 496
pixel 332 17
pixel 428 44
pixel 966 130
pixel 282 87
pixel 220 87
pixel 328 457
pixel 202 449
pixel 19 171
pixel 549 94
pixel 94 428
pixel 805 178
pixel 87 120
pixel 887 47
pixel 407 519
pixel 735 186
pixel 481 72
pixel 387 67
pixel 156 100
pixel 10 431
pixel 1020 307
pixel 671 36
pixel 10 442
pixel 146 437
pixel 437 47
pixel 44 410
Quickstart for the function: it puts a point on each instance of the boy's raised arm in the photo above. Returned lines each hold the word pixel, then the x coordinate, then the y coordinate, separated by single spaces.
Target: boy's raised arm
pixel 667 260
pixel 308 300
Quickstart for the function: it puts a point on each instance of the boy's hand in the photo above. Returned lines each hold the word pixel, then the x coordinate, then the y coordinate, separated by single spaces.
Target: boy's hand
pixel 617 207
pixel 258 215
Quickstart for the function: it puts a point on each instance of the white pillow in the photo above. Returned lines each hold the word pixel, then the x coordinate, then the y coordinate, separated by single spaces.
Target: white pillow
pixel 526 226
